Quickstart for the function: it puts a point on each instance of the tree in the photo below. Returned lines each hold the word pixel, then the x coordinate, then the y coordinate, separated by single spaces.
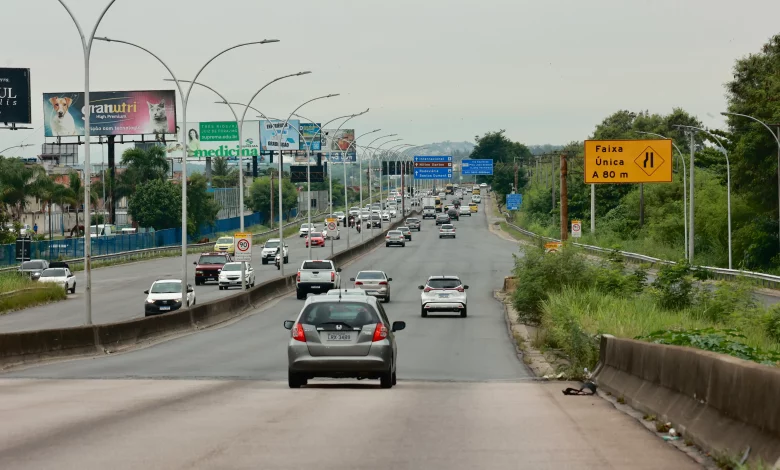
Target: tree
pixel 202 209
pixel 18 182
pixel 141 165
pixel 222 176
pixel 77 189
pixel 51 192
pixel 260 195
pixel 505 154
pixel 156 204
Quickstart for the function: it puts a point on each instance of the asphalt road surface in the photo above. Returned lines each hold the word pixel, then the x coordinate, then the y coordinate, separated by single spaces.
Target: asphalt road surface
pixel 219 398
pixel 118 291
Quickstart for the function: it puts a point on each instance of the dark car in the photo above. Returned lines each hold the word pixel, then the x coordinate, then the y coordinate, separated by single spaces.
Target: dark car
pixel 209 265
pixel 442 219
pixel 375 220
pixel 413 223
pixel 453 214
pixel 33 268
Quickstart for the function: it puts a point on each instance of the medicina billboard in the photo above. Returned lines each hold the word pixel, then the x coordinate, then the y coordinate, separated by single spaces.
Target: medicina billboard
pixel 218 139
pixel 112 113
pixel 15 96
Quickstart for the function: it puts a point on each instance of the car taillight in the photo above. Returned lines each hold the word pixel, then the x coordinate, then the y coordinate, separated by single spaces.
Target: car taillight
pixel 382 283
pixel 380 332
pixel 358 283
pixel 460 289
pixel 298 334
pixel 332 277
pixel 427 289
pixel 388 237
pixel 298 277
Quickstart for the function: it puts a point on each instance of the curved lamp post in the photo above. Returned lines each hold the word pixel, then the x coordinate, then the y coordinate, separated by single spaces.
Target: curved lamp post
pixel 15 147
pixel 344 164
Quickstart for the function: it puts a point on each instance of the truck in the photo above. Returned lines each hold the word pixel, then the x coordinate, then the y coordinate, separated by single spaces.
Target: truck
pixel 316 276
pixel 448 189
pixel 102 230
pixel 269 251
pixel 209 265
pixel 429 207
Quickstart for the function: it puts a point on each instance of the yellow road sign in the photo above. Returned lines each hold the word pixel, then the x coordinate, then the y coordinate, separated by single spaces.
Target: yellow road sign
pixel 628 161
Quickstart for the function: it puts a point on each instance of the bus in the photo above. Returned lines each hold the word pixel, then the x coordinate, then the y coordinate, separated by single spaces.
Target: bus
pixel 448 189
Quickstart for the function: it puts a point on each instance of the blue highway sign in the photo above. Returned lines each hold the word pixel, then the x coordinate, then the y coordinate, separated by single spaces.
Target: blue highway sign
pixel 426 159
pixel 477 167
pixel 514 201
pixel 433 173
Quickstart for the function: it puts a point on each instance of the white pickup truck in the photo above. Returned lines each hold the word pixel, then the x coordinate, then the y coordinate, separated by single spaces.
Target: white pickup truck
pixel 316 276
pixel 429 207
pixel 269 251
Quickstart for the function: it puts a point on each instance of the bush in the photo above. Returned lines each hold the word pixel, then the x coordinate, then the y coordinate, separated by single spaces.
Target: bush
pixel 724 341
pixel 771 323
pixel 673 287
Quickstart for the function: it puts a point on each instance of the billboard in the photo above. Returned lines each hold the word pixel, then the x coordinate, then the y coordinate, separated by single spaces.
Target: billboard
pixel 15 96
pixel 310 136
pixel 112 113
pixel 273 132
pixel 218 139
pixel 338 140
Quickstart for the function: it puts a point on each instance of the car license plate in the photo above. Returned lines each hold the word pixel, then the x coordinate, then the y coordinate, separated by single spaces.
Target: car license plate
pixel 315 287
pixel 444 296
pixel 339 337
pixel 164 308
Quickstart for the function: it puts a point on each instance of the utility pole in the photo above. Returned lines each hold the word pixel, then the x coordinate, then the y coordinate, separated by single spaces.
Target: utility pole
pixel 516 188
pixel 690 225
pixel 564 199
pixel 641 205
pixel 271 172
pixel 552 179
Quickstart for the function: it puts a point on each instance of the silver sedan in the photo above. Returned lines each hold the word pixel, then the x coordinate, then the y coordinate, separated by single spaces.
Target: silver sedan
pixel 374 283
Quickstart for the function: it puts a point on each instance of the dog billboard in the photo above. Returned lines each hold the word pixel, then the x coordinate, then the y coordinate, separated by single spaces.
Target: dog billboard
pixel 111 113
pixel 15 96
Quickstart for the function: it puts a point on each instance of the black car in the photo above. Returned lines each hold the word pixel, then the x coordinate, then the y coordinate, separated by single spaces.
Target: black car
pixel 442 219
pixel 453 214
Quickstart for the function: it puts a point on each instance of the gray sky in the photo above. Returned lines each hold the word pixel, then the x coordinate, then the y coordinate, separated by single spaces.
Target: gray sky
pixel 430 70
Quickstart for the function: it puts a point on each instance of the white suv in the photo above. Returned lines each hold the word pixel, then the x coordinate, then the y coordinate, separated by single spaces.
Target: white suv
pixel 443 294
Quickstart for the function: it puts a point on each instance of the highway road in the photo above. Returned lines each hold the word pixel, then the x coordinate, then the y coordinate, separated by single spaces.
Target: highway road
pixel 117 291
pixel 219 398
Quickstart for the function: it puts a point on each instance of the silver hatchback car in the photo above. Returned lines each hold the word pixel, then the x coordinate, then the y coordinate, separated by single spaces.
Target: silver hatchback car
pixel 342 337
pixel 374 283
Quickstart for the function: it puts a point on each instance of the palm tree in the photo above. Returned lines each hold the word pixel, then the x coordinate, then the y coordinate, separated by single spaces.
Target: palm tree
pixel 51 192
pixel 77 188
pixel 144 165
pixel 222 176
pixel 18 182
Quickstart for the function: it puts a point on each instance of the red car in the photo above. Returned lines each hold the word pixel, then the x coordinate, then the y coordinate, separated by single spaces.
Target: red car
pixel 316 239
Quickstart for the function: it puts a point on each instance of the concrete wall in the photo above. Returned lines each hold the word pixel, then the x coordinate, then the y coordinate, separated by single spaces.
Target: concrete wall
pixel 721 403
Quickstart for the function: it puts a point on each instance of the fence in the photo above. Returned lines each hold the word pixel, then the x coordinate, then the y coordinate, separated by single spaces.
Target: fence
pixel 70 248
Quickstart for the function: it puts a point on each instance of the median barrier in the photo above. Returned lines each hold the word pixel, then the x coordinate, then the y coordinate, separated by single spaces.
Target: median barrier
pixel 31 346
pixel 721 403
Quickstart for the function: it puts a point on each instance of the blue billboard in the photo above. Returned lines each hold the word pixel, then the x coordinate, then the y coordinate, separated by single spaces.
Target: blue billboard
pixel 433 173
pixel 482 167
pixel 514 201
pixel 310 136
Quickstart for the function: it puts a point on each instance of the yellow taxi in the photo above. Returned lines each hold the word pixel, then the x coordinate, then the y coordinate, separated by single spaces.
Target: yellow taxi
pixel 225 245
pixel 473 207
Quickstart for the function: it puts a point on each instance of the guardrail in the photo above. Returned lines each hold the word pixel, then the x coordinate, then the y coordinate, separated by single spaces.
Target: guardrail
pixel 169 248
pixel 764 280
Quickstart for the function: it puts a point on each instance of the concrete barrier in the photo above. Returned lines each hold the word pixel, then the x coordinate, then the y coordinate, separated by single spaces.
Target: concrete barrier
pixel 31 346
pixel 721 403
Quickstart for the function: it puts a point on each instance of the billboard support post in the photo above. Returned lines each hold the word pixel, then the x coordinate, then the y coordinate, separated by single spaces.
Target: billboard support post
pixel 86 44
pixel 112 174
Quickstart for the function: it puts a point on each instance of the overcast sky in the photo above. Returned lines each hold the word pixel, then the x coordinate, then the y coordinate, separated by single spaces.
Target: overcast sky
pixel 429 70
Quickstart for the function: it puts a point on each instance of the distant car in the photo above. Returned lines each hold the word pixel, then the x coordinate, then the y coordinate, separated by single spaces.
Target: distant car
pixel 473 207
pixel 231 275
pixel 442 219
pixel 443 294
pixel 33 268
pixel 354 211
pixel 332 234
pixel 453 214
pixel 393 212
pixel 270 249
pixel 375 221
pixel 375 283
pixel 407 233
pixel 429 212
pixel 209 265
pixel 413 223
pixel 339 217
pixel 165 296
pixel 447 231
pixel 476 198
pixel 305 229
pixel 385 216
pixel 464 210
pixel 316 239
pixel 483 185
pixel 395 237
pixel 225 245
pixel 341 338
pixel 60 276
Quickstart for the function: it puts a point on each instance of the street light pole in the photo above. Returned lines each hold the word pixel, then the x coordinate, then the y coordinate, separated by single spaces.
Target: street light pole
pixel 685 191
pixel 370 212
pixel 184 100
pixel 15 147
pixel 344 162
pixel 777 140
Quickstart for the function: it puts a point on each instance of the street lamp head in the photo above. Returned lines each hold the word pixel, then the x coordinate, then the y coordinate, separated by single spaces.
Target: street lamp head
pixel 303 73
pixel 332 95
pixel 103 39
pixel 266 41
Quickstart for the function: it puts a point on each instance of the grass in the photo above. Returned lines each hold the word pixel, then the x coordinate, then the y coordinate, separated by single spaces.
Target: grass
pixel 40 294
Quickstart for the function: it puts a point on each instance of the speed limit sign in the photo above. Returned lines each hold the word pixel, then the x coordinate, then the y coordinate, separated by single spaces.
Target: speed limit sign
pixel 242 246
pixel 332 226
pixel 576 228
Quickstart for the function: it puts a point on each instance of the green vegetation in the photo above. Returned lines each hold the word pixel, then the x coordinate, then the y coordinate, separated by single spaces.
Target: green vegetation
pixel 575 301
pixel 32 293
pixel 658 229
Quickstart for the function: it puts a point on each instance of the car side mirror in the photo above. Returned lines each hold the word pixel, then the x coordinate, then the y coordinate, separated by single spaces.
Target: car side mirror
pixel 288 324
pixel 399 325
pixel 389 279
pixel 190 289
pixel 352 279
pixel 465 287
pixel 195 263
pixel 338 270
pixel 421 287
pixel 146 291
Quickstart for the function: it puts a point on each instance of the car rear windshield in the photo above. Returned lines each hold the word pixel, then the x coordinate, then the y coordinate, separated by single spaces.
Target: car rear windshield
pixel 446 283
pixel 353 314
pixel 395 233
pixel 225 240
pixel 32 265
pixel 316 234
pixel 232 267
pixel 403 229
pixel 370 275
pixel 320 265
pixel 443 216
pixel 166 288
pixel 412 220
pixel 212 260
pixel 428 207
pixel 447 227
pixel 53 273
